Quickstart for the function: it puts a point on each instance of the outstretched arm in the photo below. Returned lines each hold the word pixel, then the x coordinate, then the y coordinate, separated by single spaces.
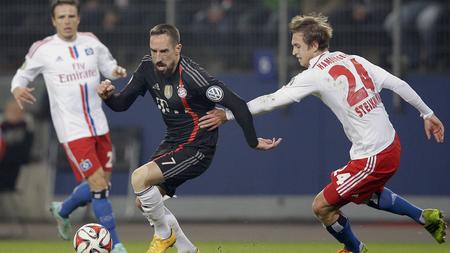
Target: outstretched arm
pixel 215 91
pixel 216 117
pixel 243 118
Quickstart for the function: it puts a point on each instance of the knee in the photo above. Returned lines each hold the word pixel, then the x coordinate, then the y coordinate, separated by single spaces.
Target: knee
pixel 323 211
pixel 318 208
pixel 138 179
pixel 145 176
pixel 97 181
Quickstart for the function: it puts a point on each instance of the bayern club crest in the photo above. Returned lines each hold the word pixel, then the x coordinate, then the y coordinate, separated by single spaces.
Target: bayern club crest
pixel 182 92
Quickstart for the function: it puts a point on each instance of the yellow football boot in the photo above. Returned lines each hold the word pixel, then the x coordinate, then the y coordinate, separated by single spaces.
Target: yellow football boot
pixel 160 245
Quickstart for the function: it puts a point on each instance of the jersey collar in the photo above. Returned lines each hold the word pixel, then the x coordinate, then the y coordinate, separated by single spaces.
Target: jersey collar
pixel 67 42
pixel 315 60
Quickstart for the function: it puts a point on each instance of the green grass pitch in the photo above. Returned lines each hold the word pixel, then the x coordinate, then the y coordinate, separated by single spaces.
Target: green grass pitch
pixel 19 246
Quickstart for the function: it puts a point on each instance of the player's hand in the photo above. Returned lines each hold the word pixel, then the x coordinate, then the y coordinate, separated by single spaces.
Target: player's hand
pixel 105 89
pixel 119 72
pixel 213 119
pixel 266 144
pixel 433 126
pixel 24 94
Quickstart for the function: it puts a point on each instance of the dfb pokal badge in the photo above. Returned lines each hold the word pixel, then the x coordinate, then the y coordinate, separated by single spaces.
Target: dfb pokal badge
pixel 182 92
pixel 215 93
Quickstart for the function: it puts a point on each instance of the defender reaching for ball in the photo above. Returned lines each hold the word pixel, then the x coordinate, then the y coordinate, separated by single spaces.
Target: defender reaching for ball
pixel 350 86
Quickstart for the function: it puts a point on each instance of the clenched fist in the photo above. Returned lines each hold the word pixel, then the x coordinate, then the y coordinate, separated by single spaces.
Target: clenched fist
pixel 119 72
pixel 105 89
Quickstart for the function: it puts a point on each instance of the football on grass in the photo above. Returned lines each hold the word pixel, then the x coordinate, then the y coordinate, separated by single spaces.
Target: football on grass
pixel 92 238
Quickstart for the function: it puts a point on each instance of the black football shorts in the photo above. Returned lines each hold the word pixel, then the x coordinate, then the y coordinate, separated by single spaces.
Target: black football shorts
pixel 181 164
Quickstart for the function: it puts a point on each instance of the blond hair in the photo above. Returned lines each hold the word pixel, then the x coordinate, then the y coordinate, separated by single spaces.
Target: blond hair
pixel 315 28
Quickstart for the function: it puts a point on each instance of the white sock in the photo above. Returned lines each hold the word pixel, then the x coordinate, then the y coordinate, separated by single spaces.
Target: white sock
pixel 153 206
pixel 182 243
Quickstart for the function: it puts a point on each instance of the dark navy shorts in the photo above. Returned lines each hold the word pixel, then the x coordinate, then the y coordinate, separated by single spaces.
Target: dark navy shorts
pixel 181 164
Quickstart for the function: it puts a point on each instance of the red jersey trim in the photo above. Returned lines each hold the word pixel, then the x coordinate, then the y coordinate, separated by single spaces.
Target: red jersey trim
pixel 194 116
pixel 85 111
pixel 36 45
pixel 318 59
pixel 89 34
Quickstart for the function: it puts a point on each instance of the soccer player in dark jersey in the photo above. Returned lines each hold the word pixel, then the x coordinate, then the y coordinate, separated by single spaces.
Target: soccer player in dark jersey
pixel 184 92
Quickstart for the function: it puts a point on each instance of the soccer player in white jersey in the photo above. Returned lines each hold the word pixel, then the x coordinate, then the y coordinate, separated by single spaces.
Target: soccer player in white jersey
pixel 349 85
pixel 71 62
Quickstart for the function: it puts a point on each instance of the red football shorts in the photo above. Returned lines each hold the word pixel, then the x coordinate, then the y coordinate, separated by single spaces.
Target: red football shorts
pixel 360 179
pixel 86 155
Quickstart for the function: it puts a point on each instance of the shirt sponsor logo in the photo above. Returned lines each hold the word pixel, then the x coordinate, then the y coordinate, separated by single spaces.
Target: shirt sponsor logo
pixel 214 93
pixel 182 92
pixel 85 165
pixel 168 91
pixel 162 105
pixel 89 51
pixel 77 75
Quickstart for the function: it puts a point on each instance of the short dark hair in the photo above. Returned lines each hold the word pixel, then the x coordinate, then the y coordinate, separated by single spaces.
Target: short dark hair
pixel 55 3
pixel 167 29
pixel 315 27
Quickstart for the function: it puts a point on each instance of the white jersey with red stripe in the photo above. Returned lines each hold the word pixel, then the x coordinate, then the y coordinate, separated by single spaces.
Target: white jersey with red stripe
pixel 71 71
pixel 349 85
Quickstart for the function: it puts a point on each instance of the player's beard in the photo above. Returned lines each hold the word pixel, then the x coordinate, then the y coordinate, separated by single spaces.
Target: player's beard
pixel 167 71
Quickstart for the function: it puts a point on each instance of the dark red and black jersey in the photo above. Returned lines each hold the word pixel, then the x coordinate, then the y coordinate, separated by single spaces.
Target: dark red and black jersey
pixel 183 98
